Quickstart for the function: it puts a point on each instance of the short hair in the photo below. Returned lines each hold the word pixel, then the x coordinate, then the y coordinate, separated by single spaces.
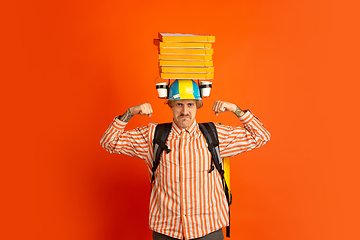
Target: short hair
pixel 199 103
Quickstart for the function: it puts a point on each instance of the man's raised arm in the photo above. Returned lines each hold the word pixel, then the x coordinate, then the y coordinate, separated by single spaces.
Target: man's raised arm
pixel 133 142
pixel 235 140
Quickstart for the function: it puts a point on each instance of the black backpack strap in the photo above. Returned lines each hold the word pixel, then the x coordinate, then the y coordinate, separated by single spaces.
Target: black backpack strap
pixel 210 133
pixel 159 143
pixel 211 136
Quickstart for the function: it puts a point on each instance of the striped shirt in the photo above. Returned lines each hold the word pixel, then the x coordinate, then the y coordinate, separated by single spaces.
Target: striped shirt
pixel 186 200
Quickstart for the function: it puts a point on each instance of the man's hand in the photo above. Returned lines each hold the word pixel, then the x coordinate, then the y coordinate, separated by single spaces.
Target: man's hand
pixel 220 106
pixel 142 109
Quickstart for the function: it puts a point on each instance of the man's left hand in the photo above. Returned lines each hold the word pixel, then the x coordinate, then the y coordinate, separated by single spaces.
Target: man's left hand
pixel 220 106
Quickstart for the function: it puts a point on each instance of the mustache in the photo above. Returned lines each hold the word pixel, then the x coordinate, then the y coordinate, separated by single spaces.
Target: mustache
pixel 184 115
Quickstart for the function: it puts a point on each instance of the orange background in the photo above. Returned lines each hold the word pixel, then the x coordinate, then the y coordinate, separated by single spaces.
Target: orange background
pixel 69 67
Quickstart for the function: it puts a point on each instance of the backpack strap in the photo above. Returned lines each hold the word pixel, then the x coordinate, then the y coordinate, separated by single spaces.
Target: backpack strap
pixel 210 133
pixel 159 143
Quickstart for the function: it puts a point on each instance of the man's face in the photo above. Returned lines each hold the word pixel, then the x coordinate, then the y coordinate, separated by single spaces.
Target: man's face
pixel 184 112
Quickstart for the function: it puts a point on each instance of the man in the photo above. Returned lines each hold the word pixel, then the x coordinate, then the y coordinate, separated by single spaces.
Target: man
pixel 187 201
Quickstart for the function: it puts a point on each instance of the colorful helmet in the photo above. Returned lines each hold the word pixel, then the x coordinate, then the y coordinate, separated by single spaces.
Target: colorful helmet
pixel 184 89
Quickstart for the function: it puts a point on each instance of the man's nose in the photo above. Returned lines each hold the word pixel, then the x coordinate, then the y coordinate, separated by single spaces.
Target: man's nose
pixel 184 109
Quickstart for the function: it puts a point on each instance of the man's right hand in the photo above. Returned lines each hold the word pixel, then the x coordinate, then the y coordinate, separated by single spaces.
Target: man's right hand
pixel 142 109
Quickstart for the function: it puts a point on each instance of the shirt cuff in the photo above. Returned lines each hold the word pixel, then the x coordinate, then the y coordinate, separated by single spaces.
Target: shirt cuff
pixel 246 117
pixel 118 124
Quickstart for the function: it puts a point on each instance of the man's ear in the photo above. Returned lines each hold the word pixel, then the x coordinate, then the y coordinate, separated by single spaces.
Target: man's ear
pixel 199 104
pixel 171 104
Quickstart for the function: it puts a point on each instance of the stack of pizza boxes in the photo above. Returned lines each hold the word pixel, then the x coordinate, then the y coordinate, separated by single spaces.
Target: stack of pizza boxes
pixel 185 56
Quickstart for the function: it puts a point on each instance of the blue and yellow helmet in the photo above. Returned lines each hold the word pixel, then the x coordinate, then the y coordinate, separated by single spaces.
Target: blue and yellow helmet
pixel 184 89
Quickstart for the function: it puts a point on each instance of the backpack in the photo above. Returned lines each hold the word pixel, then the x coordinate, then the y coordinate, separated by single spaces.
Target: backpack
pixel 209 131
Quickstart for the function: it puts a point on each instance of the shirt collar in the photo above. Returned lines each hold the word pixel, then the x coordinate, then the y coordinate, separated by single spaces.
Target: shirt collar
pixel 191 129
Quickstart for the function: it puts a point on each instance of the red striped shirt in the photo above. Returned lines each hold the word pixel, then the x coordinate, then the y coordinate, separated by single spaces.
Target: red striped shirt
pixel 186 201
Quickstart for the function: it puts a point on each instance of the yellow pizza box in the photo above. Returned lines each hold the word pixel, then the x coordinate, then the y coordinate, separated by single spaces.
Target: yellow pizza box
pixel 187 69
pixel 186 63
pixel 180 51
pixel 185 57
pixel 179 37
pixel 203 76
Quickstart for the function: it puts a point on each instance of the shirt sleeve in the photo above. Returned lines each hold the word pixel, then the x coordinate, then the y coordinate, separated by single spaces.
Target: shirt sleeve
pixel 134 143
pixel 236 140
